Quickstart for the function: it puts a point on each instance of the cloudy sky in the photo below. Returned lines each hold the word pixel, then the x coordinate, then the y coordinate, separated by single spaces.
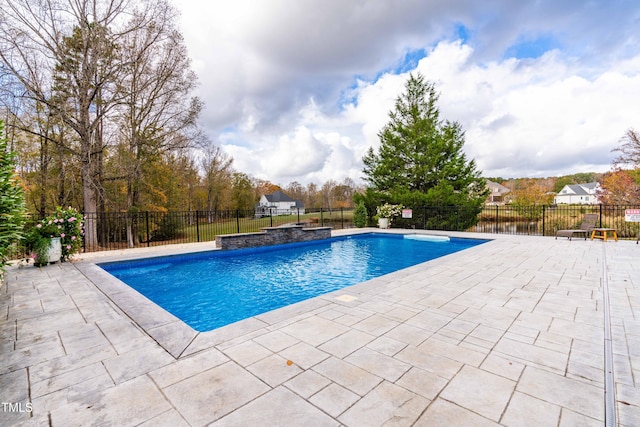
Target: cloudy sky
pixel 297 90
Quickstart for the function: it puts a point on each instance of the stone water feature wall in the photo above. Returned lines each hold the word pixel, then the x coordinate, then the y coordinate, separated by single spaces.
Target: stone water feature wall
pixel 272 236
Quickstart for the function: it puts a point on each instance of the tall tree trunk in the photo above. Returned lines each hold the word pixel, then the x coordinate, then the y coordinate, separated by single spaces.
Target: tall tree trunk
pixel 62 197
pixel 90 206
pixel 44 170
pixel 88 173
pixel 132 201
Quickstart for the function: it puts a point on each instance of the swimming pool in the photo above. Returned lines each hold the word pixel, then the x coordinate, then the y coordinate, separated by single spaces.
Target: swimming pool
pixel 211 289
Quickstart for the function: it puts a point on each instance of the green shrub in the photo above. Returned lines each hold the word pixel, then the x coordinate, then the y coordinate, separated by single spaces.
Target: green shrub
pixel 12 211
pixel 169 227
pixel 360 215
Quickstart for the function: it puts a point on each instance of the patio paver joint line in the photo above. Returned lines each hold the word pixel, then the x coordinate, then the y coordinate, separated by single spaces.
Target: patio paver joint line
pixel 609 382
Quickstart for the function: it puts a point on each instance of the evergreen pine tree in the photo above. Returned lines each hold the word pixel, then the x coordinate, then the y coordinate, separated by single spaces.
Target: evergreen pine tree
pixel 421 162
pixel 12 210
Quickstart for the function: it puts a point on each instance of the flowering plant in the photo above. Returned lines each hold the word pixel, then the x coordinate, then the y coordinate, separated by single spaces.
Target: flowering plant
pixel 389 211
pixel 67 224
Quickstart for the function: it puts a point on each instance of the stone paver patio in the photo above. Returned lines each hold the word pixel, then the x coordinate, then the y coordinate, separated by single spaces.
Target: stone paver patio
pixel 513 332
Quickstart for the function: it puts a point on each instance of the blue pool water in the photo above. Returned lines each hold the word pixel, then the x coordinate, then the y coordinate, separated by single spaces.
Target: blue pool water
pixel 215 288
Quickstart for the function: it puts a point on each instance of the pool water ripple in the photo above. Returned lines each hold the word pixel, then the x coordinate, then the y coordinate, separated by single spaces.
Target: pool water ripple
pixel 211 289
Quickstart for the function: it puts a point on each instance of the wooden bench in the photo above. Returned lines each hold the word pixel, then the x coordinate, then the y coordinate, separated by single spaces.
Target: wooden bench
pixel 603 233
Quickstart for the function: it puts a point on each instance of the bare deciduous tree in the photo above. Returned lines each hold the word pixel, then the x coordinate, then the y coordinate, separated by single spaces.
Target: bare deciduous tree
pixel 242 193
pixel 156 114
pixel 62 54
pixel 629 150
pixel 295 190
pixel 216 165
pixel 98 65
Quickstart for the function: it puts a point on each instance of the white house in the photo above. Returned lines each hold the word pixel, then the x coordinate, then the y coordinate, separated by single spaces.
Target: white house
pixel 278 203
pixel 497 193
pixel 578 194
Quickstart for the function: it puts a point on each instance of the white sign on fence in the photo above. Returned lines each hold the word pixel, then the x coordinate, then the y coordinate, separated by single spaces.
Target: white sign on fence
pixel 632 215
pixel 408 213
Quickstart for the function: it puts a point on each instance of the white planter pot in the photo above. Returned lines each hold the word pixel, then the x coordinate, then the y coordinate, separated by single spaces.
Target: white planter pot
pixel 383 222
pixel 55 250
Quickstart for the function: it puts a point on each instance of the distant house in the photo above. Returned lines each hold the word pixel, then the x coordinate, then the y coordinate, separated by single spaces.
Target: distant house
pixel 278 203
pixel 497 193
pixel 577 194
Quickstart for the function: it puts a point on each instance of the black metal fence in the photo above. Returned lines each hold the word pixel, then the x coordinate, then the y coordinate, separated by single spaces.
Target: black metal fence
pixel 120 230
pixel 534 220
pixel 547 220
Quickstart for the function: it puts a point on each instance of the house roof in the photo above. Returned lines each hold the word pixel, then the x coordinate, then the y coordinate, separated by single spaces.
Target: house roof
pixel 497 188
pixel 278 196
pixel 583 189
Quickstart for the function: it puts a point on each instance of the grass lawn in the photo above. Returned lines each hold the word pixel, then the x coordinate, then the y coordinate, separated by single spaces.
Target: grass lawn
pixel 208 231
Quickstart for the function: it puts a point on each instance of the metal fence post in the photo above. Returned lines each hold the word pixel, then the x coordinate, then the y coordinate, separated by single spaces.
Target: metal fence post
pixel 543 218
pixel 197 226
pixel 148 235
pixel 496 229
pixel 424 217
pixel 238 220
pixel 600 216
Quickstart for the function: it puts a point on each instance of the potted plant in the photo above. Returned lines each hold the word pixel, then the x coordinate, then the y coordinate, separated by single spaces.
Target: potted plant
pixel 56 237
pixel 386 213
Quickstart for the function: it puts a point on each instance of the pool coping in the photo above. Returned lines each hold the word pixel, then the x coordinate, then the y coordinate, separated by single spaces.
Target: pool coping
pixel 180 339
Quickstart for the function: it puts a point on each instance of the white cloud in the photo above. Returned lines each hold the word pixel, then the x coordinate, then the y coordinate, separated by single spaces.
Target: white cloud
pixel 532 119
pixel 275 76
pixel 294 155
